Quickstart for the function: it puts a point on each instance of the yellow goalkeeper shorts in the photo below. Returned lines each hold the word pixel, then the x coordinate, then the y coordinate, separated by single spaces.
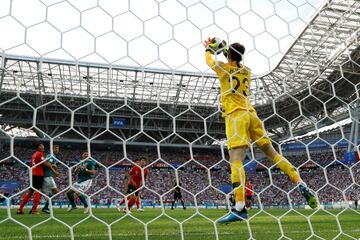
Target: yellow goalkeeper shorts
pixel 242 127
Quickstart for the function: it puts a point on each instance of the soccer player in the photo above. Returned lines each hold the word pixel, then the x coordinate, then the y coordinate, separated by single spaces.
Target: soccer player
pixel 49 186
pixel 243 125
pixel 177 197
pixel 248 194
pixel 37 163
pixel 134 184
pixel 85 172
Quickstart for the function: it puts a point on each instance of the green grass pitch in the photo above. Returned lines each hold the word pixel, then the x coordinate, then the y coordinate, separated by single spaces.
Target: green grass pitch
pixel 269 224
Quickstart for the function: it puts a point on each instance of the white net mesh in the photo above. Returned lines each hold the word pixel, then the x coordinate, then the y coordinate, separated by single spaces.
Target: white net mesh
pixel 127 79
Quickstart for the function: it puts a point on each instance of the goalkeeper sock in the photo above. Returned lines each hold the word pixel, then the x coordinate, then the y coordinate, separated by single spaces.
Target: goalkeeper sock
pixel 83 199
pixel 238 180
pixel 239 193
pixel 71 197
pixel 239 206
pixel 287 168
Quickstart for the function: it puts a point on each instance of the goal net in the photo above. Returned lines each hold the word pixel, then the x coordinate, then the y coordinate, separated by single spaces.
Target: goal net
pixel 126 80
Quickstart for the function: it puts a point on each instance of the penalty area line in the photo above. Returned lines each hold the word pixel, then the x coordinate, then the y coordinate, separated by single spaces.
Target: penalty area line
pixel 113 235
pixel 161 234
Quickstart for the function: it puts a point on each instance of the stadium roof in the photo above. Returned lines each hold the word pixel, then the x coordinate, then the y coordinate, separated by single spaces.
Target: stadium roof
pixel 82 79
pixel 322 47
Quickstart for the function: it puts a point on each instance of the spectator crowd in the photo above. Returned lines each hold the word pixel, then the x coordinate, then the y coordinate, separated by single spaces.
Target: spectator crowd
pixel 203 178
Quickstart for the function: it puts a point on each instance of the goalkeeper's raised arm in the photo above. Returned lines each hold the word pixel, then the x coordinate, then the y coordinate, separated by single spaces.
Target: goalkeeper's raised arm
pixel 214 46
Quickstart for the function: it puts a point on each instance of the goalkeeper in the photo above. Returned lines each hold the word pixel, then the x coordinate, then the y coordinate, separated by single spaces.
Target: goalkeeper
pixel 243 125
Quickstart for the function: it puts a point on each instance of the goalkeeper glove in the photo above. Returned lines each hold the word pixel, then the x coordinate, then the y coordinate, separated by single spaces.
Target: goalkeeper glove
pixel 214 45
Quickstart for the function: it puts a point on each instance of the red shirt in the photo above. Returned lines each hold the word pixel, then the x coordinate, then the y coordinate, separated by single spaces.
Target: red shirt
pixel 248 189
pixel 36 158
pixel 135 176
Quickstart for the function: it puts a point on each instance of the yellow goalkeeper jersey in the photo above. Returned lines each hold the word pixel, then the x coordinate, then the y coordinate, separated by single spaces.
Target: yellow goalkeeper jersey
pixel 234 85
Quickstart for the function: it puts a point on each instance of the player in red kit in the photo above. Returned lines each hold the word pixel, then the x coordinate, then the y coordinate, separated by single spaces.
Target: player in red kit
pixel 134 183
pixel 37 172
pixel 248 194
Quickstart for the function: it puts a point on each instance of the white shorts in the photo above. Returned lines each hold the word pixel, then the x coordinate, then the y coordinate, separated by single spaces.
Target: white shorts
pixel 83 186
pixel 48 185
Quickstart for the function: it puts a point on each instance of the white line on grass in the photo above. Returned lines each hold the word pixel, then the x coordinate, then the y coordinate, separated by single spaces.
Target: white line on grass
pixel 161 234
pixel 105 235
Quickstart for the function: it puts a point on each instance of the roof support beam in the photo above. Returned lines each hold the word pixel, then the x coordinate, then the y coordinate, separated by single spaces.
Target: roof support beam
pixel 3 64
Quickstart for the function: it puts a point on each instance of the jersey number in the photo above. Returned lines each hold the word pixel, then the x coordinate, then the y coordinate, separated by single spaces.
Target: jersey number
pixel 238 84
